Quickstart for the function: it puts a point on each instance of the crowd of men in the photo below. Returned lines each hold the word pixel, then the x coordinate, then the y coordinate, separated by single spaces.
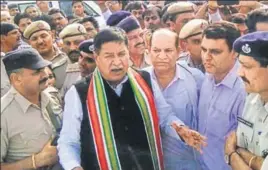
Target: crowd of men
pixel 176 85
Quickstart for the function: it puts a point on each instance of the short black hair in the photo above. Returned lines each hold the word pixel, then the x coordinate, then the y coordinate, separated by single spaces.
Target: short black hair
pixel 46 18
pixel 165 15
pixel 150 10
pixel 222 30
pixel 135 5
pixel 30 6
pixel 254 17
pixel 11 6
pixel 112 34
pixel 90 19
pixel 55 11
pixel 20 16
pixel 76 1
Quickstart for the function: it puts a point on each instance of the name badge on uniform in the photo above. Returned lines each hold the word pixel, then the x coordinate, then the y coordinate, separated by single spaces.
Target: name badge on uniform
pixel 245 122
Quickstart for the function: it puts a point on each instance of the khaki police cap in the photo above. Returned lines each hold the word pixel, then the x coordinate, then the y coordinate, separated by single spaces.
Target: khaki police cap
pixel 180 7
pixel 192 28
pixel 35 27
pixel 72 30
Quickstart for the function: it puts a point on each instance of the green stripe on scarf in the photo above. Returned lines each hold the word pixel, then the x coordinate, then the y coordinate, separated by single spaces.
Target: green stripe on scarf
pixel 103 115
pixel 106 122
pixel 147 120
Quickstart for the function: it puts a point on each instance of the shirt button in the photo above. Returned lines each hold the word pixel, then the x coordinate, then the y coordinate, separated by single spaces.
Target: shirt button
pixel 122 108
pixel 126 128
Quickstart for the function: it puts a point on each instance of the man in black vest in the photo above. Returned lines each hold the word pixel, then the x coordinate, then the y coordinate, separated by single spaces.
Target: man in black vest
pixel 110 119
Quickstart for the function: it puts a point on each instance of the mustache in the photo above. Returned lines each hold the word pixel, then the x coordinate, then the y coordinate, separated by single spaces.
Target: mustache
pixel 116 70
pixel 44 80
pixel 74 55
pixel 245 80
pixel 142 43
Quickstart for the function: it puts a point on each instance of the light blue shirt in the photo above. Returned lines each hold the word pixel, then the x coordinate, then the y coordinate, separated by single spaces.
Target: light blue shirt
pixel 219 106
pixel 69 142
pixel 182 95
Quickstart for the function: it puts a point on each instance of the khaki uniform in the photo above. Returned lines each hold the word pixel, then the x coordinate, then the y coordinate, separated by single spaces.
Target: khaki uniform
pixel 72 76
pixel 146 62
pixel 252 131
pixel 5 84
pixel 25 127
pixel 54 93
pixel 191 64
pixel 59 66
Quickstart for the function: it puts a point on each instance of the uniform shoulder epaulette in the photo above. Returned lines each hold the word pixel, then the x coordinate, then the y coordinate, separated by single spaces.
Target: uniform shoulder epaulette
pixel 72 68
pixel 6 100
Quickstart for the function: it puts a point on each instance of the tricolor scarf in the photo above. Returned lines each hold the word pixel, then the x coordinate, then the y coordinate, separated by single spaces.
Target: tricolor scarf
pixel 101 125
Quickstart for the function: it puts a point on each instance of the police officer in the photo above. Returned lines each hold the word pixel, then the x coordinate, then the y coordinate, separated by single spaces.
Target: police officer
pixel 5 84
pixel 27 122
pixel 39 35
pixel 72 35
pixel 248 147
pixel 190 41
pixel 86 60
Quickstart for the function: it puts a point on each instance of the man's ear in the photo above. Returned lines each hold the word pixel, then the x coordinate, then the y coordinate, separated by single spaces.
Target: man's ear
pixel 2 38
pixel 183 45
pixel 95 55
pixel 234 54
pixel 172 25
pixel 15 78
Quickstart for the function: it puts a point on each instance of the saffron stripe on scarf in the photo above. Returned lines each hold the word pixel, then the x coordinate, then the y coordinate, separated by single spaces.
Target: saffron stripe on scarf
pixel 111 149
pixel 102 127
pixel 95 127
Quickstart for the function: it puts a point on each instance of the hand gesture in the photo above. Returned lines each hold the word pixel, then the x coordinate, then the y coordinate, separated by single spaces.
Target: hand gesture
pixel 48 155
pixel 190 137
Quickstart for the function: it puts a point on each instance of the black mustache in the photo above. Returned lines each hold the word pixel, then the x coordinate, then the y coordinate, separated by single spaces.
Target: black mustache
pixel 44 80
pixel 245 80
pixel 74 52
pixel 116 69
pixel 139 44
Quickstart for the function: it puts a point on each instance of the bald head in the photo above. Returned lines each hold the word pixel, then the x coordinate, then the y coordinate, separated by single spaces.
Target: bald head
pixel 159 34
pixel 164 50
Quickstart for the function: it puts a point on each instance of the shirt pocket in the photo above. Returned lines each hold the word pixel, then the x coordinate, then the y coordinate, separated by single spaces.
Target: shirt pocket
pixel 218 122
pixel 37 136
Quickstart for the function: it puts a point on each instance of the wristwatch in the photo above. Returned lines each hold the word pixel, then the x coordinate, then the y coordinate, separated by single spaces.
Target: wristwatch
pixel 228 157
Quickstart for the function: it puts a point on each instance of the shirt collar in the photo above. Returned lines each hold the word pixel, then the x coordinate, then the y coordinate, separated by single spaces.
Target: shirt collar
pixel 258 102
pixel 57 52
pixel 120 84
pixel 146 62
pixel 230 79
pixel 25 103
